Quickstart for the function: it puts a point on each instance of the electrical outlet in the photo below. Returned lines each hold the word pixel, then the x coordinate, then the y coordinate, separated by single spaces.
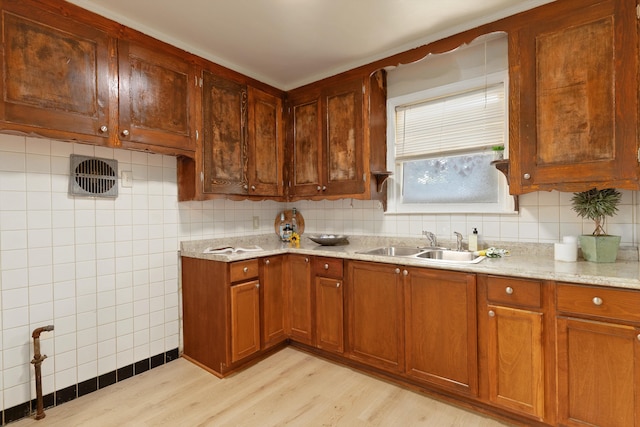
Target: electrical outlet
pixel 256 222
pixel 127 179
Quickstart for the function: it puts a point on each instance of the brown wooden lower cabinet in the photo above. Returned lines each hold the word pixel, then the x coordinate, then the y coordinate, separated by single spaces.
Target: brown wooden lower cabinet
pixel 375 315
pixel 245 319
pixel 598 356
pixel 300 296
pixel 329 304
pixel 273 300
pixel 537 352
pixel 441 330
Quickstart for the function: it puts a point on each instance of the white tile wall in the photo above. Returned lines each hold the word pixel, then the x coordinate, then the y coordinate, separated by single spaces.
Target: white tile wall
pixel 105 272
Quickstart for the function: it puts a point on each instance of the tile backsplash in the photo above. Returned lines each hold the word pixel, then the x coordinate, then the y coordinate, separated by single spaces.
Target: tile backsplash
pixel 105 272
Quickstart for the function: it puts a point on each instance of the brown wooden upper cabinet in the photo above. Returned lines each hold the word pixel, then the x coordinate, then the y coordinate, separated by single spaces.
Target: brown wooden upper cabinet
pixel 574 99
pixel 157 92
pixel 242 139
pixel 327 140
pixel 55 73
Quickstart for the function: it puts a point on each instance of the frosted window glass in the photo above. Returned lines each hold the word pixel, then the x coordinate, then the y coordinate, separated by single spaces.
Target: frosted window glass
pixel 468 178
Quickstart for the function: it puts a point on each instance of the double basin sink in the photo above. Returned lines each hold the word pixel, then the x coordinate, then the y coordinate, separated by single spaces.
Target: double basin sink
pixel 428 253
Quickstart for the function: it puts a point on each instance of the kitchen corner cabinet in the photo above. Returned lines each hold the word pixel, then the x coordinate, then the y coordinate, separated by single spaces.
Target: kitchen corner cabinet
pixel 272 276
pixel 598 356
pixel 516 367
pixel 56 74
pixel 329 304
pixel 316 302
pixel 441 329
pixel 157 94
pixel 375 315
pixel 574 99
pixel 326 139
pixel 243 151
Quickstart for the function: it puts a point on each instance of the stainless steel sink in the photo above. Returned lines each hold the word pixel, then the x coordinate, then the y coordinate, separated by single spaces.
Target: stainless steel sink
pixel 393 251
pixel 426 254
pixel 450 255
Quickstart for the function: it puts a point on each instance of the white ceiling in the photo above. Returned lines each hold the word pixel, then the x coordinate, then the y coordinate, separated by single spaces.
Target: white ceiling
pixel 288 43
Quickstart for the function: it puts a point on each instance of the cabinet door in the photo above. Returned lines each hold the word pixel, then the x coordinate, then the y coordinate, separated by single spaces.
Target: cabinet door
pixel 598 374
pixel 305 137
pixel 516 360
pixel 157 95
pixel 224 111
pixel 575 87
pixel 441 329
pixel 245 320
pixel 273 301
pixel 299 327
pixel 55 73
pixel 266 145
pixel 375 321
pixel 343 105
pixel 329 314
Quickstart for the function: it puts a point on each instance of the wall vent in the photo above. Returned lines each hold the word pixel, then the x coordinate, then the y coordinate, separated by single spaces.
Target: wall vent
pixel 93 177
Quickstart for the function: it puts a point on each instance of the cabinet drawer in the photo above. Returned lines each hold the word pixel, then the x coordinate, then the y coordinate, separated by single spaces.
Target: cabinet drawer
pixel 593 301
pixel 243 270
pixel 328 267
pixel 506 290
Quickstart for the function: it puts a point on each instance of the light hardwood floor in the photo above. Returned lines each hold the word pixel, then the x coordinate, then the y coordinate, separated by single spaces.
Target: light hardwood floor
pixel 290 388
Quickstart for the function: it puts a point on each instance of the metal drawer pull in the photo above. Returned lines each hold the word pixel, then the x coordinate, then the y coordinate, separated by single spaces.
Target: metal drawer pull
pixel 245 269
pixel 597 300
pixel 509 290
pixel 397 271
pixel 306 260
pixel 492 313
pixel 267 262
pixel 405 273
pixel 326 266
pixel 338 285
pixel 257 285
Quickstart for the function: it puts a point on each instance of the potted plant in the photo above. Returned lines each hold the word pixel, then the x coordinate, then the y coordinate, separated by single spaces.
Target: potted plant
pixel 498 152
pixel 597 205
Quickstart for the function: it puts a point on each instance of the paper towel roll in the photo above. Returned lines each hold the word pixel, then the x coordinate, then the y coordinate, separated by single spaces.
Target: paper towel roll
pixel 565 252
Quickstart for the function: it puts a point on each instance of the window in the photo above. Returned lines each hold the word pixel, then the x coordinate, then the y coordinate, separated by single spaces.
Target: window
pixel 439 148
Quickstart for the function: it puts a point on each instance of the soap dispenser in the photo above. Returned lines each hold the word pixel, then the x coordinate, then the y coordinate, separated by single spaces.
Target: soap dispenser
pixel 473 240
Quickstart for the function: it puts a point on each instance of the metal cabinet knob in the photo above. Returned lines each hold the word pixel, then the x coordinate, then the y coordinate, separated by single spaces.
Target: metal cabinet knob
pixel 125 132
pixel 253 188
pixel 246 269
pixel 306 260
pixel 492 313
pixel 338 285
pixel 324 188
pixel 104 129
pixel 257 285
pixel 509 290
pixel 638 337
pixel 318 188
pixel 397 271
pixel 526 176
pixel 597 300
pixel 267 262
pixel 326 266
pixel 405 273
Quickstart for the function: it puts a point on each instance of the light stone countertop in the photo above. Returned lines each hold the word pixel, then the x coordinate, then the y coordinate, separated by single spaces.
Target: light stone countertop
pixel 534 261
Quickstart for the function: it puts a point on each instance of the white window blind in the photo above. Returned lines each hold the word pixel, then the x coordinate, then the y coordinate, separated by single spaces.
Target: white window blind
pixel 468 120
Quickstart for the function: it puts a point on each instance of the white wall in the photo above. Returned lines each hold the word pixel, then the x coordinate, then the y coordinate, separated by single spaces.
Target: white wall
pixel 105 272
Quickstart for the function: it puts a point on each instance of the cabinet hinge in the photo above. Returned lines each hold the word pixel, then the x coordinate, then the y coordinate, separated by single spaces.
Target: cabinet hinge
pixel 638 11
pixel 638 154
pixel 364 177
pixel 197 135
pixel 201 176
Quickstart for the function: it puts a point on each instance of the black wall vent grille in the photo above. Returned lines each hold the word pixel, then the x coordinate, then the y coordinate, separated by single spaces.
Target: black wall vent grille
pixel 93 177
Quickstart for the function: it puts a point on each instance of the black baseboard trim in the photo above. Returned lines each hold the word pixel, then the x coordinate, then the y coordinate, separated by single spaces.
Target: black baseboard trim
pixel 67 394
